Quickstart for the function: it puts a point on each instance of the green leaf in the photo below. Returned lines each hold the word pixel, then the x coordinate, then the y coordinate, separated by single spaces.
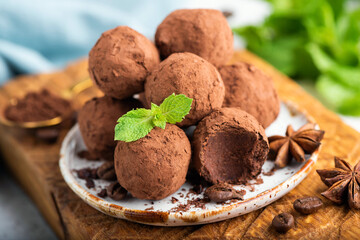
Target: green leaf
pixel 317 39
pixel 176 107
pixel 333 92
pixel 347 76
pixel 134 125
pixel 351 106
pixel 159 118
pixel 320 58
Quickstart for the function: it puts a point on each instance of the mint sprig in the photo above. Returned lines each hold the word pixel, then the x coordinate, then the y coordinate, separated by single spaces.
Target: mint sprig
pixel 137 123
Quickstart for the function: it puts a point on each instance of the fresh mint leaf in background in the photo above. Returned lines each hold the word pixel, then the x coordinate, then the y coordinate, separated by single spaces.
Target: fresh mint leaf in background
pixel 351 106
pixel 318 40
pixel 137 123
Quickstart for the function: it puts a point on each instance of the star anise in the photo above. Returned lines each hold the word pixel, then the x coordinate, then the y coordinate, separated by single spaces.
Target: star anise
pixel 344 183
pixel 295 144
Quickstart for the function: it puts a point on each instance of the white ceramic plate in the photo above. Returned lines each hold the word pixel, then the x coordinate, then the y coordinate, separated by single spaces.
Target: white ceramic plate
pixel 161 213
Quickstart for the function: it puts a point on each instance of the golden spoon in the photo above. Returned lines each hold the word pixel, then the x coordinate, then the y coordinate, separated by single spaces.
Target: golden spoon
pixel 68 93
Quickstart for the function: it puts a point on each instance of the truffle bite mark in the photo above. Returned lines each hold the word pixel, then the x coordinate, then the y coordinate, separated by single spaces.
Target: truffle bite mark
pixel 229 146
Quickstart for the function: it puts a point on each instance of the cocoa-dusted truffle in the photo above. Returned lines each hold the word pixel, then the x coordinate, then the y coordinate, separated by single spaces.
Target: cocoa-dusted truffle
pixel 155 166
pixel 204 32
pixel 120 61
pixel 229 146
pixel 250 89
pixel 97 120
pixel 188 74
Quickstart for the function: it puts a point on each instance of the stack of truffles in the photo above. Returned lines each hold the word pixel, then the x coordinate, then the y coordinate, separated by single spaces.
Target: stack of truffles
pixel 232 104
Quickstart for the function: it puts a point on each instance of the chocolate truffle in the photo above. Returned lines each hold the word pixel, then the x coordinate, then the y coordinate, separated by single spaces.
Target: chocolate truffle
pixel 188 74
pixel 120 61
pixel 250 89
pixel 155 166
pixel 229 146
pixel 97 120
pixel 204 32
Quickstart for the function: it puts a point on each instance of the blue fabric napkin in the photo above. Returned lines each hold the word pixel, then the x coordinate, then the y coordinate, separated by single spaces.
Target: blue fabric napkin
pixel 43 35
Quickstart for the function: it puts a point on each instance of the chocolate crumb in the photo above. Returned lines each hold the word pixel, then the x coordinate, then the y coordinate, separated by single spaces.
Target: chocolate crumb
pixel 174 200
pixel 196 203
pixel 116 191
pixel 270 173
pixel 107 171
pixel 259 180
pixel 102 193
pixel 87 173
pixel 149 208
pixel 89 183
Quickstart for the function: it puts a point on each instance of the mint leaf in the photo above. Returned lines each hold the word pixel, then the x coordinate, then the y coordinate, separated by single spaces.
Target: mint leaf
pixel 136 124
pixel 315 40
pixel 176 107
pixel 159 118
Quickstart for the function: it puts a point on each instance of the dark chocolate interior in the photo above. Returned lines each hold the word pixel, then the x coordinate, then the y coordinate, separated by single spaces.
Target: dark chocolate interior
pixel 229 155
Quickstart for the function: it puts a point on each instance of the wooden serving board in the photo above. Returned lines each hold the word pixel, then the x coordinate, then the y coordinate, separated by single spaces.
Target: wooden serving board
pixel 35 165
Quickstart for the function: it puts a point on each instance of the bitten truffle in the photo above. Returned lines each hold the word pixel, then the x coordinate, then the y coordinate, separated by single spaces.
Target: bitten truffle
pixel 120 61
pixel 97 120
pixel 250 89
pixel 155 166
pixel 188 74
pixel 229 146
pixel 204 32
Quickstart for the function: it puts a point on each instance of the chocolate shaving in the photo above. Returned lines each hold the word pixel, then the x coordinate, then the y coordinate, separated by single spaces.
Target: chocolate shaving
pixel 87 173
pixel 196 203
pixel 116 191
pixel 149 208
pixel 89 183
pixel 107 171
pixel 270 173
pixel 102 193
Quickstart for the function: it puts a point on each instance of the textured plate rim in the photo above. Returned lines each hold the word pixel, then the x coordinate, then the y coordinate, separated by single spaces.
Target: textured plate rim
pixel 197 217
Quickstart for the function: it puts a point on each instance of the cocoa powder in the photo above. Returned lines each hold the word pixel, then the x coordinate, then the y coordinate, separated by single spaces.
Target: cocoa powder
pixel 38 106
